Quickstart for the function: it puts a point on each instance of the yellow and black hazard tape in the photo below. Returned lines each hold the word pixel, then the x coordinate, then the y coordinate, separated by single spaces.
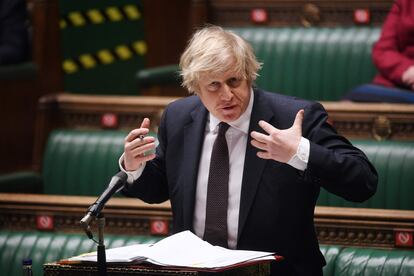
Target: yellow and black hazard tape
pixel 99 16
pixel 104 56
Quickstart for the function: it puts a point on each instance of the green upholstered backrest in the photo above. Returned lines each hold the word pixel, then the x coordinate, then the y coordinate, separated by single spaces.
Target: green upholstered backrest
pixel 394 161
pixel 43 247
pixel 313 63
pixel 350 261
pixel 80 162
pixel 330 252
pixel 375 262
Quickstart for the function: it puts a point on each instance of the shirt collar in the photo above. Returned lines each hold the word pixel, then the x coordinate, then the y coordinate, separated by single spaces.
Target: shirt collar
pixel 242 123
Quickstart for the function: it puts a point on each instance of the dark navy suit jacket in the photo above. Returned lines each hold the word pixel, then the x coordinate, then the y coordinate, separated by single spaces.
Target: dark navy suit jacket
pixel 277 201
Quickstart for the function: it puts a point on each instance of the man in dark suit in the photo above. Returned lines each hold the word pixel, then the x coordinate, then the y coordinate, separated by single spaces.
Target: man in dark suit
pixel 280 151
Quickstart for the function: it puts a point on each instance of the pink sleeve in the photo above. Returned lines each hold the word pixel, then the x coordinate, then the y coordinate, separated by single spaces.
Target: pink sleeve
pixel 386 56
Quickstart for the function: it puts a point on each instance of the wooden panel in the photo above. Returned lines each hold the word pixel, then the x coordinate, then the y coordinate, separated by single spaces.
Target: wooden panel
pixel 379 121
pixel 166 30
pixel 343 226
pixel 296 12
pixel 19 95
pixel 17 110
pixel 46 45
pixel 123 215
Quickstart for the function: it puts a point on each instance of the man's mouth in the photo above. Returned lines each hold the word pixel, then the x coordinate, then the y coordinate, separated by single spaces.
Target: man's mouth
pixel 228 107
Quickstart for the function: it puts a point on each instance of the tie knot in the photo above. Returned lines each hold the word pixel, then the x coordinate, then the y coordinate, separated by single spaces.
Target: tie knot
pixel 223 127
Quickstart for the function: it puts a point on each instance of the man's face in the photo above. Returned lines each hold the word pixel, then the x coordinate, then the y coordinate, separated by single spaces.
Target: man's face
pixel 226 96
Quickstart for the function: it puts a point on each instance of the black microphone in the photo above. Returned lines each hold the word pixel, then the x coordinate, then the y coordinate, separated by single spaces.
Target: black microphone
pixel 117 182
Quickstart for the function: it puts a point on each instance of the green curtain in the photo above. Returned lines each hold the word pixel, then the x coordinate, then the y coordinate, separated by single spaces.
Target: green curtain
pixel 103 45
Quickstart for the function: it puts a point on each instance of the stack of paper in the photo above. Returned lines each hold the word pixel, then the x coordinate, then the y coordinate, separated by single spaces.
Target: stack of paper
pixel 183 249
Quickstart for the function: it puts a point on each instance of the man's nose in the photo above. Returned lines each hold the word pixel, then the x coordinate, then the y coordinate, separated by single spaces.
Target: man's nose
pixel 226 93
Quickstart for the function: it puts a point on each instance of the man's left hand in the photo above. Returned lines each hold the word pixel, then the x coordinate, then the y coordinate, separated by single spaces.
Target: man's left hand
pixel 279 144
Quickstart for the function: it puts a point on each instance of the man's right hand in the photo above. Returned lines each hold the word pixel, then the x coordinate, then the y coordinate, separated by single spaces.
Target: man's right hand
pixel 136 144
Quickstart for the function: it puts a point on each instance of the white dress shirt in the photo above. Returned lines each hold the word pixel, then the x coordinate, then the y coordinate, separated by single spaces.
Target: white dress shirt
pixel 237 137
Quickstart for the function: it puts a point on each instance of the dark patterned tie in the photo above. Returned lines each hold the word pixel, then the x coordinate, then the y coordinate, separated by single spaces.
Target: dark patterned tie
pixel 218 191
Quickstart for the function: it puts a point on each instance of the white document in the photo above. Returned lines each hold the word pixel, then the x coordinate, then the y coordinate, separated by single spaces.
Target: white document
pixel 183 249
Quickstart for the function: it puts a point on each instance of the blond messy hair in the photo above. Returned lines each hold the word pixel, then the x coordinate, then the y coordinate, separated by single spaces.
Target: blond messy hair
pixel 213 50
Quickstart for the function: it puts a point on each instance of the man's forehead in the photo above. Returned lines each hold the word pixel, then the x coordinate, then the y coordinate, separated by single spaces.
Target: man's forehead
pixel 219 76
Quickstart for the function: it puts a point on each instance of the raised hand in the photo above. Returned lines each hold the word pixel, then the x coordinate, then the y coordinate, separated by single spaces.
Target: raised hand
pixel 279 144
pixel 136 144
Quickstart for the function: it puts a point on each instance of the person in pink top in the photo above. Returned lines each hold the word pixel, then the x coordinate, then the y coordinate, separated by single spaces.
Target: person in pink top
pixel 393 56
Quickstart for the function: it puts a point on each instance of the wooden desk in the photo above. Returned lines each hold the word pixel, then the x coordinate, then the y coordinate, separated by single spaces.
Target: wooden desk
pixel 55 269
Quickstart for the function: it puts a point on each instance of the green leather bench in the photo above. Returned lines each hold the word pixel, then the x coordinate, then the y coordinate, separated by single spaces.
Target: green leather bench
pixel 44 247
pixel 352 261
pixel 394 162
pixel 80 162
pixel 313 63
pixel 75 162
pixel 26 70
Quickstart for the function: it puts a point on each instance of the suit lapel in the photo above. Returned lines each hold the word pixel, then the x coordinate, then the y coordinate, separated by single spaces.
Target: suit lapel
pixel 253 166
pixel 193 141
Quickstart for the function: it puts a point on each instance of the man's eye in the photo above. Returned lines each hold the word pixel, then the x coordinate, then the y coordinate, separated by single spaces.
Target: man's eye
pixel 234 82
pixel 213 86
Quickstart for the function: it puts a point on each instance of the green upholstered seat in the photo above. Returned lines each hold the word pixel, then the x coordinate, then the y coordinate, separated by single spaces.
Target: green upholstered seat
pixel 22 181
pixel 312 63
pixel 43 247
pixel 394 162
pixel 79 162
pixel 368 261
pixel 351 261
pixel 162 75
pixel 26 70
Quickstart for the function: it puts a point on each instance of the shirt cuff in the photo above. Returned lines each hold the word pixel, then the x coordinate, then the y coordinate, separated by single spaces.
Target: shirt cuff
pixel 300 159
pixel 132 175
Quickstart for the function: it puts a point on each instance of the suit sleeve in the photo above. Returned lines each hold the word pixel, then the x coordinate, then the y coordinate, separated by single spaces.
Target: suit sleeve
pixel 152 185
pixel 334 163
pixel 387 57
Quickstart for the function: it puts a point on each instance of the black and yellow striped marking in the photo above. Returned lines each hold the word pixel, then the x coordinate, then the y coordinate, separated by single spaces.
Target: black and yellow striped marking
pixel 99 16
pixel 104 56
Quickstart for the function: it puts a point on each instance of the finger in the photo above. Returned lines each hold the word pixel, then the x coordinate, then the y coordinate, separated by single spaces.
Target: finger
pixel 299 118
pixel 258 145
pixel 143 149
pixel 263 155
pixel 148 157
pixel 145 123
pixel 136 133
pixel 138 143
pixel 263 138
pixel 267 127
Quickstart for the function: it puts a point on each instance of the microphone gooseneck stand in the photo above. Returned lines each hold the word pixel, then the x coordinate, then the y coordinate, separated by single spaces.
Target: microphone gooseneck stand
pixel 87 219
pixel 101 246
pixel 94 212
